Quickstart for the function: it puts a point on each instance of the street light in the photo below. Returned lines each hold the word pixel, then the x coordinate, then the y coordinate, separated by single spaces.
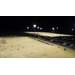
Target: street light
pixel 57 28
pixel 37 27
pixel 53 28
pixel 34 28
pixel 72 29
pixel 40 28
pixel 27 27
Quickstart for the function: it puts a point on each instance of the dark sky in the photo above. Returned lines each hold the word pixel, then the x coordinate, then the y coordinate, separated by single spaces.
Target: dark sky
pixel 19 23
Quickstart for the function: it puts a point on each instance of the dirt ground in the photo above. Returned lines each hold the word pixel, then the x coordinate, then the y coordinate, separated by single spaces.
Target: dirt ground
pixel 48 34
pixel 30 48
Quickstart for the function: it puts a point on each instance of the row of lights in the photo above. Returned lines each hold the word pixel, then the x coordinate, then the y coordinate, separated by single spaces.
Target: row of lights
pixel 35 27
pixel 57 28
pixel 54 28
pixel 41 28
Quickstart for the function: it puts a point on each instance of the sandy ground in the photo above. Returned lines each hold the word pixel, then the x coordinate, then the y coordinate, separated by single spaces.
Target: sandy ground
pixel 30 48
pixel 48 34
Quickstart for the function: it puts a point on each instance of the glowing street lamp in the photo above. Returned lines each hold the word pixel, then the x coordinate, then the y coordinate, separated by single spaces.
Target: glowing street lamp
pixel 27 27
pixel 72 29
pixel 53 28
pixel 40 28
pixel 57 28
pixel 37 27
pixel 34 28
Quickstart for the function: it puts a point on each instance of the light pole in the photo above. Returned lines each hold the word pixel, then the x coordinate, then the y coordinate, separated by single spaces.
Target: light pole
pixel 57 29
pixel 34 28
pixel 53 28
pixel 27 27
pixel 40 28
pixel 72 31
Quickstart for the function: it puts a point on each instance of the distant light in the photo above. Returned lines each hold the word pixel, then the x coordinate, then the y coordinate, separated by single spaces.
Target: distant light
pixel 27 27
pixel 57 28
pixel 38 27
pixel 34 26
pixel 41 28
pixel 53 28
pixel 72 29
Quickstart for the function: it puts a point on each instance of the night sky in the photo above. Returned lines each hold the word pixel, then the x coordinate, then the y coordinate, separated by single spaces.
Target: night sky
pixel 20 23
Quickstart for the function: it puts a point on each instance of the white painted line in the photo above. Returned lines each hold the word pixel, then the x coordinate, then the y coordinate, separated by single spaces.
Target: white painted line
pixel 2 55
pixel 20 56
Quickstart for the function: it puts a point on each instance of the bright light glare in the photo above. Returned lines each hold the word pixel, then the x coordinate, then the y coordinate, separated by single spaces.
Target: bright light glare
pixel 52 28
pixel 41 28
pixel 34 26
pixel 27 27
pixel 38 27
pixel 57 27
pixel 72 29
